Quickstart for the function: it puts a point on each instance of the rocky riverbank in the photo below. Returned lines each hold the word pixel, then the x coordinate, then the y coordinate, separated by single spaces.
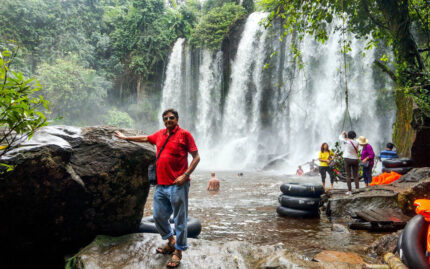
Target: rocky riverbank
pixel 398 195
pixel 138 251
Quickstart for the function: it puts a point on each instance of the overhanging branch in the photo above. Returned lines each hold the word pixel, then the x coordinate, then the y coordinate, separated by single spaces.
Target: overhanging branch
pixel 385 69
pixel 373 19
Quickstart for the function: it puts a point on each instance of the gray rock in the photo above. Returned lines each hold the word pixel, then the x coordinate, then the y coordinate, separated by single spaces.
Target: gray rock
pixel 339 228
pixel 384 244
pixel 343 205
pixel 69 185
pixel 399 194
pixel 137 251
pixel 415 175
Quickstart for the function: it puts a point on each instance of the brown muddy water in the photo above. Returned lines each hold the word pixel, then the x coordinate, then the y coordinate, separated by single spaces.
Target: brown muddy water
pixel 245 210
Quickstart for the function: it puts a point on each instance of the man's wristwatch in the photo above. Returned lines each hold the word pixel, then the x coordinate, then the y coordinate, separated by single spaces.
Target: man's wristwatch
pixel 187 174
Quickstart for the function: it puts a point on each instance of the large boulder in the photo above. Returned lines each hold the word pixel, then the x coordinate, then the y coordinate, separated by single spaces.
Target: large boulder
pixel 398 195
pixel 70 184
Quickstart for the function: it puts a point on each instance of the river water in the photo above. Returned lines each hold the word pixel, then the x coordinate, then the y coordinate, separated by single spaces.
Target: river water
pixel 245 210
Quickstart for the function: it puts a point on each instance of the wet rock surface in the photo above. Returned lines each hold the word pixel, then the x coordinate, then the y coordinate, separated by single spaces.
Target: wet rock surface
pixel 338 256
pixel 137 251
pixel 398 195
pixel 384 244
pixel 339 228
pixel 69 185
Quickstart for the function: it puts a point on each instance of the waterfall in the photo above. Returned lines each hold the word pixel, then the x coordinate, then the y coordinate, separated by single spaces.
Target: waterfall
pixel 209 98
pixel 174 82
pixel 275 116
pixel 242 110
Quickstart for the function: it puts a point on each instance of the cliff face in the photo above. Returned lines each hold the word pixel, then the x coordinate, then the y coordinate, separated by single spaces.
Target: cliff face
pixel 411 133
pixel 69 185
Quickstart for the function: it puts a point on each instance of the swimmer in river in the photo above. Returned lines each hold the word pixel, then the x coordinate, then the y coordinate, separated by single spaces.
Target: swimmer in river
pixel 213 183
pixel 299 171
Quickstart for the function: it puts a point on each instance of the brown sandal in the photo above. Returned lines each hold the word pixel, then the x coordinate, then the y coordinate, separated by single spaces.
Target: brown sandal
pixel 166 249
pixel 175 261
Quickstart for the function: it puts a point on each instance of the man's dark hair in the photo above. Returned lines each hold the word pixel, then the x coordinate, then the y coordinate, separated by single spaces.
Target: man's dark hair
pixel 170 110
pixel 351 135
pixel 390 145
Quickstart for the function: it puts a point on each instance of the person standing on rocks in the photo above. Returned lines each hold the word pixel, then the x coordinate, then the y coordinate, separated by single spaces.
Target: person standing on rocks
pixel 350 158
pixel 325 157
pixel 367 159
pixel 173 178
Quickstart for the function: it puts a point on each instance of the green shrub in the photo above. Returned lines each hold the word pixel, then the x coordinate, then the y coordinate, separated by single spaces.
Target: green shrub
pixel 20 107
pixel 119 119
pixel 77 94
pixel 215 26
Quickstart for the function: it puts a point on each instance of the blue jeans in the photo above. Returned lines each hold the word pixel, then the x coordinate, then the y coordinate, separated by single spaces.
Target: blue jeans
pixel 367 174
pixel 167 200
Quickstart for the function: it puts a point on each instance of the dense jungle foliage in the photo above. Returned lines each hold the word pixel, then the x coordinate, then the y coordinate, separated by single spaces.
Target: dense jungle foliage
pixel 101 61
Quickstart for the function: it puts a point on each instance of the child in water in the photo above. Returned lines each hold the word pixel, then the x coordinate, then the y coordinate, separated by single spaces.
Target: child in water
pixel 299 171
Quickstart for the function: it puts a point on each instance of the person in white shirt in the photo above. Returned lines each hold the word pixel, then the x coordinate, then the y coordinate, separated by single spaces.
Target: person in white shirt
pixel 350 158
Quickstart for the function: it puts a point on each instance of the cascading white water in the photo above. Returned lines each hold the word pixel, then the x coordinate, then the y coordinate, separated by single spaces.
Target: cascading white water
pixel 199 109
pixel 209 98
pixel 173 84
pixel 242 109
pixel 278 112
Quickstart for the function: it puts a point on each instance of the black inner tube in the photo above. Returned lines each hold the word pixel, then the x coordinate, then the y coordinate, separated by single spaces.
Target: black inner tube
pixel 194 226
pixel 302 189
pixel 296 213
pixel 302 203
pixel 397 163
pixel 413 243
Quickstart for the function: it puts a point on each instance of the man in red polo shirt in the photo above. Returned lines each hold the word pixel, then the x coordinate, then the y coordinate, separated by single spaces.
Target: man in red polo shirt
pixel 173 175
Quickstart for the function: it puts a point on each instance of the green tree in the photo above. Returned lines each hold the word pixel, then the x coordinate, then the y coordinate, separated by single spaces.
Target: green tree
pixel 142 34
pixel 215 26
pixel 119 119
pixel 189 15
pixel 50 29
pixel 20 114
pixel 211 4
pixel 77 94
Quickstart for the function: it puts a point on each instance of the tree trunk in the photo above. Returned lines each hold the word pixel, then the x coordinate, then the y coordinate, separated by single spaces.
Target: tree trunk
pixel 396 14
pixel 412 127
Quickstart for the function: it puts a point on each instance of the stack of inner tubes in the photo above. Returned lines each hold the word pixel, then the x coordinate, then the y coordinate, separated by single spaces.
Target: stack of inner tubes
pixel 300 200
pixel 412 243
pixel 399 165
pixel 147 225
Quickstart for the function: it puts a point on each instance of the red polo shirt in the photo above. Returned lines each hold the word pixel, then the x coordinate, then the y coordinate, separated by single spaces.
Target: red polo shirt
pixel 173 161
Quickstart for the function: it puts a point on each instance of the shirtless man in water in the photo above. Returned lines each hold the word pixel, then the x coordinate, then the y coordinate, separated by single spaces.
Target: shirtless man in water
pixel 213 183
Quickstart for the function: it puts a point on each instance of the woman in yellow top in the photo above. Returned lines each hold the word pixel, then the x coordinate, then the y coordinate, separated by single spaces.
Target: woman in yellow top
pixel 325 156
